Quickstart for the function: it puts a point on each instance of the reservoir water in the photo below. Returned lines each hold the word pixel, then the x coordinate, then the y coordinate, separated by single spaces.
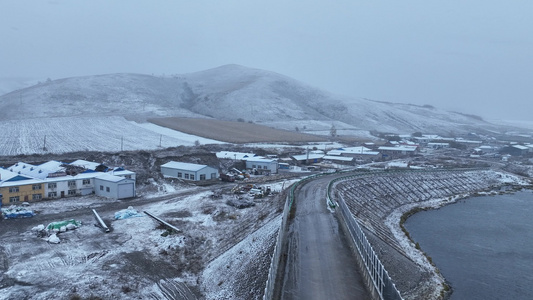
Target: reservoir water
pixel 483 246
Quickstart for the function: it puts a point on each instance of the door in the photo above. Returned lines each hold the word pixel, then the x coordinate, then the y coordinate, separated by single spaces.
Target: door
pixel 126 190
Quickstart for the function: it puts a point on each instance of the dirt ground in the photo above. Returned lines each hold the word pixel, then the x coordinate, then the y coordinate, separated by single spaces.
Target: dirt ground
pixel 234 132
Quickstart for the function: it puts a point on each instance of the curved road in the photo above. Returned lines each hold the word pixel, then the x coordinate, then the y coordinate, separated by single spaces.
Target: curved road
pixel 320 263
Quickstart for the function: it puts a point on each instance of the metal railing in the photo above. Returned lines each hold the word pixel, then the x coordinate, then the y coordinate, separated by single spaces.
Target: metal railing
pixel 377 278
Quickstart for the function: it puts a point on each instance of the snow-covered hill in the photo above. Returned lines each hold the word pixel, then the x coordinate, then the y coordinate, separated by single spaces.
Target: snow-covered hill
pixel 229 92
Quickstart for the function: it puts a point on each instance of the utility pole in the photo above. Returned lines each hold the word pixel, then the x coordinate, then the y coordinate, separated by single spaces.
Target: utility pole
pixel 160 138
pixel 44 145
pixel 121 143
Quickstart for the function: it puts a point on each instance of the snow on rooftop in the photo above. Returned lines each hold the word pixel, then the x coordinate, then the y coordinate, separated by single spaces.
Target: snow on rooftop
pixel 520 147
pixel 30 170
pixel 352 150
pixel 183 166
pixel 306 156
pixel 6 174
pixel 261 159
pixel 338 158
pixel 234 155
pixel 398 148
pixel 53 165
pixel 110 177
pixel 89 165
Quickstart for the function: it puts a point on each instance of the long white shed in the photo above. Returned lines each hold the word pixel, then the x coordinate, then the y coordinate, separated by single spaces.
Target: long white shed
pixel 188 171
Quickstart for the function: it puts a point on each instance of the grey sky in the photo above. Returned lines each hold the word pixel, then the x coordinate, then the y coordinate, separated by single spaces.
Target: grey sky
pixel 473 56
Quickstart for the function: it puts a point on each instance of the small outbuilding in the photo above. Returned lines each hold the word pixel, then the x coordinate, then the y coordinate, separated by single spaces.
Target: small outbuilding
pixel 115 187
pixel 188 171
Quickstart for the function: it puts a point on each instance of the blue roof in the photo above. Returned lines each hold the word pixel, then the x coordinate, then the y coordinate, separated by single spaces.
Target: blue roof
pixel 18 178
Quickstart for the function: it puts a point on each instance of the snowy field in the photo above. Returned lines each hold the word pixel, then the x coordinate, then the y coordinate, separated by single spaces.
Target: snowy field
pixel 71 134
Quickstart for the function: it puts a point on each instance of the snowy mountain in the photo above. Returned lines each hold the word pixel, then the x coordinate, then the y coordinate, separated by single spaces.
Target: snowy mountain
pixel 229 92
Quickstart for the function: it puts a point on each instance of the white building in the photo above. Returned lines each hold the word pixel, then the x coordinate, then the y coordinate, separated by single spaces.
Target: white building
pixel 308 158
pixel 262 164
pixel 188 171
pixel 399 150
pixel 439 145
pixel 349 151
pixel 116 187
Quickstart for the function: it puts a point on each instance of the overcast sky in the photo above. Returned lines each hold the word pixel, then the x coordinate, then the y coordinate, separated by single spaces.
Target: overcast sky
pixel 473 56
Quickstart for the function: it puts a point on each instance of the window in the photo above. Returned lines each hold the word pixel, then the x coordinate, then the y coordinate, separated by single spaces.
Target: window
pixel 192 176
pixel 107 189
pixel 36 187
pixel 213 175
pixel 72 192
pixel 202 176
pixel 179 174
pixel 14 199
pixel 86 181
pixel 52 185
pixel 72 183
pixel 253 166
pixel 186 176
pixel 128 176
pixel 52 194
pixel 14 189
pixel 36 197
pixel 101 187
pixel 265 167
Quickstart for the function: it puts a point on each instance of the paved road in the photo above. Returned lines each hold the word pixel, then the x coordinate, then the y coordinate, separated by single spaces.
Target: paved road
pixel 320 264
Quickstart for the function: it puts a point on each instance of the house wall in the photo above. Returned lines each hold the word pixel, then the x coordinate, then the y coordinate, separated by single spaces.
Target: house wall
pixel 63 189
pixel 25 193
pixel 210 173
pixel 170 172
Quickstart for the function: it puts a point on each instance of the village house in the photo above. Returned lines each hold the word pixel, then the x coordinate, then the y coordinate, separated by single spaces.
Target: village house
pixel 515 150
pixel 339 159
pixel 360 154
pixel 188 171
pixel 438 145
pixel 307 159
pixel 264 164
pixel 398 151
